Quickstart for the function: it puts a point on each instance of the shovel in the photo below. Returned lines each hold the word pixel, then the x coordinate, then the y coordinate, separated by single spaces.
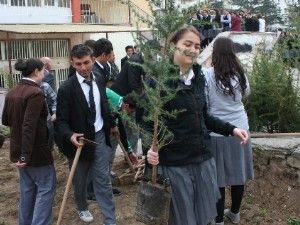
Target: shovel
pixel 82 141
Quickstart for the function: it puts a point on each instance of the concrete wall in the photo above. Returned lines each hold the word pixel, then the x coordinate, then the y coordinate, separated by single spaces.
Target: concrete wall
pixel 34 15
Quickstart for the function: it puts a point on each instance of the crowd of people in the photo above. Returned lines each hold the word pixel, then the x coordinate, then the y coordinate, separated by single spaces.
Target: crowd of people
pixel 210 149
pixel 210 22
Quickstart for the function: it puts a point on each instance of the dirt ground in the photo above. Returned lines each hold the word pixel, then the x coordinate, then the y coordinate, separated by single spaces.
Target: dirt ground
pixel 272 198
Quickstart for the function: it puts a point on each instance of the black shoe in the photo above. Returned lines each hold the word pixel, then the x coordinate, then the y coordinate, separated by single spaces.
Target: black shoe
pixel 116 192
pixel 91 198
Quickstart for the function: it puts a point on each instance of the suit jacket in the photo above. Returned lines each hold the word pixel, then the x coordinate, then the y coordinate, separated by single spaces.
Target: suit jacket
pixel 130 77
pixel 123 61
pixel 49 78
pixel 72 117
pixel 102 73
pixel 25 112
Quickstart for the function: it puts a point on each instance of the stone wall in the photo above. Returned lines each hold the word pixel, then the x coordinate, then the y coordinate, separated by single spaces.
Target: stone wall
pixel 286 149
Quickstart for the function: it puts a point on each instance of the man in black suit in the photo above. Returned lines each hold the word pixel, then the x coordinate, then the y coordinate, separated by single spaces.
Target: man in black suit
pixel 129 52
pixel 48 76
pixel 102 52
pixel 130 77
pixel 82 110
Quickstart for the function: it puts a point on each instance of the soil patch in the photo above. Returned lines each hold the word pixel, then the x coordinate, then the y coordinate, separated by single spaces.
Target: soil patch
pixel 272 198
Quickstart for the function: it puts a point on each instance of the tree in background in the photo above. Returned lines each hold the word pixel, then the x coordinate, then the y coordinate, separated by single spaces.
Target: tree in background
pixel 274 103
pixel 267 8
pixel 217 4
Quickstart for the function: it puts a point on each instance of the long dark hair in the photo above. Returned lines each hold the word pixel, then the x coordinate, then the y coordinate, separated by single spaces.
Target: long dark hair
pixel 227 66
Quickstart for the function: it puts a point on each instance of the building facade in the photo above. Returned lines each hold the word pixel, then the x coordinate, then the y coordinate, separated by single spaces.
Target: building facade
pixel 37 28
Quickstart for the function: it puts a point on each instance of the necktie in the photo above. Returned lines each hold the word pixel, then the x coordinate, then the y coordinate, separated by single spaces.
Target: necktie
pixel 92 116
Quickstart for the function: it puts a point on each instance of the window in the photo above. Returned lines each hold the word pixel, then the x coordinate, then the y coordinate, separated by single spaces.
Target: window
pixel 3 50
pixel 62 75
pixel 34 3
pixel 39 48
pixel 18 2
pixel 49 2
pixel 3 2
pixel 64 3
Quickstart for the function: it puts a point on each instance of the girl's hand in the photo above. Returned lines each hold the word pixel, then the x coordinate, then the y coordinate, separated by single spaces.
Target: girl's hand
pixel 241 134
pixel 152 157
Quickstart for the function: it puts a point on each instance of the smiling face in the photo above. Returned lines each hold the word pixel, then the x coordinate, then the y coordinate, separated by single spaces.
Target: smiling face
pixel 187 50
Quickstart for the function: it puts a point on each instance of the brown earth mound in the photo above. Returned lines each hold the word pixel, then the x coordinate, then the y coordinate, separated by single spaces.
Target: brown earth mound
pixel 272 198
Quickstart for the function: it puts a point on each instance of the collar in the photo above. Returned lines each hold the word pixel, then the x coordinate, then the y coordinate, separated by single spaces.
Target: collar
pixel 99 64
pixel 81 78
pixel 27 78
pixel 187 78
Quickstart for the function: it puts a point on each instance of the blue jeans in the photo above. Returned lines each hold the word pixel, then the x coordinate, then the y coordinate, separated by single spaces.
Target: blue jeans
pixel 37 191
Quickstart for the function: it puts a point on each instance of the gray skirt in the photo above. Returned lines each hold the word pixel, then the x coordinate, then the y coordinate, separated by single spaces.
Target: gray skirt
pixel 194 193
pixel 234 161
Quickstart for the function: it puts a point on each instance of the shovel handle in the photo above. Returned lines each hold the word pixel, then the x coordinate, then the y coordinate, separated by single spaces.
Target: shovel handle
pixel 126 155
pixel 69 182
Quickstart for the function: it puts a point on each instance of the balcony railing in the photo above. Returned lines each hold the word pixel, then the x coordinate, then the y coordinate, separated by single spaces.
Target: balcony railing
pixel 36 3
pixel 110 12
pixel 104 12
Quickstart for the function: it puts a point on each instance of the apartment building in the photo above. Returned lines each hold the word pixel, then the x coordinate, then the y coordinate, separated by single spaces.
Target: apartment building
pixel 36 28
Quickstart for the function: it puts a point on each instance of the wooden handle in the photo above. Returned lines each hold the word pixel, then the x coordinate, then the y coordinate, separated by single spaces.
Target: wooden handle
pixel 126 155
pixel 154 175
pixel 154 168
pixel 69 182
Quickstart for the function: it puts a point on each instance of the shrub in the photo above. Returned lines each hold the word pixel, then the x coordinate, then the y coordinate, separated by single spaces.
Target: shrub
pixel 274 104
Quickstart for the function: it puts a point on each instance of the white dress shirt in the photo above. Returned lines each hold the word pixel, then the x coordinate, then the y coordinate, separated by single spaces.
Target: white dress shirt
pixel 187 78
pixel 86 88
pixel 99 64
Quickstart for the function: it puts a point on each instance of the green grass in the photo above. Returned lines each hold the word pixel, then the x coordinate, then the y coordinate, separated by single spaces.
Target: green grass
pixel 249 198
pixel 293 221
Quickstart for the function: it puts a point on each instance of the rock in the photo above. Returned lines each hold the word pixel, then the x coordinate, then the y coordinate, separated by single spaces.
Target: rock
pixel 294 159
pixel 2 139
pixel 280 146
pixel 298 180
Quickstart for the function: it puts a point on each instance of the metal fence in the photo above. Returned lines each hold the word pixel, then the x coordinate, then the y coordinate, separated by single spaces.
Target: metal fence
pixel 36 3
pixel 57 49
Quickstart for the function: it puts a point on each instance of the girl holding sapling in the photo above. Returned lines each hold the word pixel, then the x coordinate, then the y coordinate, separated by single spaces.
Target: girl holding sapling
pixel 187 160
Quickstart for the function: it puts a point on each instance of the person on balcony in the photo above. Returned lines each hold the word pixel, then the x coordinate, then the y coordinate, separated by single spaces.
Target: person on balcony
pixel 235 22
pixel 226 21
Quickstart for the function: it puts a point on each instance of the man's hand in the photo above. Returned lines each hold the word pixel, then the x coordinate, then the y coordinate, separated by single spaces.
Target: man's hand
pixel 152 157
pixel 20 165
pixel 115 132
pixel 133 158
pixel 74 139
pixel 241 134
